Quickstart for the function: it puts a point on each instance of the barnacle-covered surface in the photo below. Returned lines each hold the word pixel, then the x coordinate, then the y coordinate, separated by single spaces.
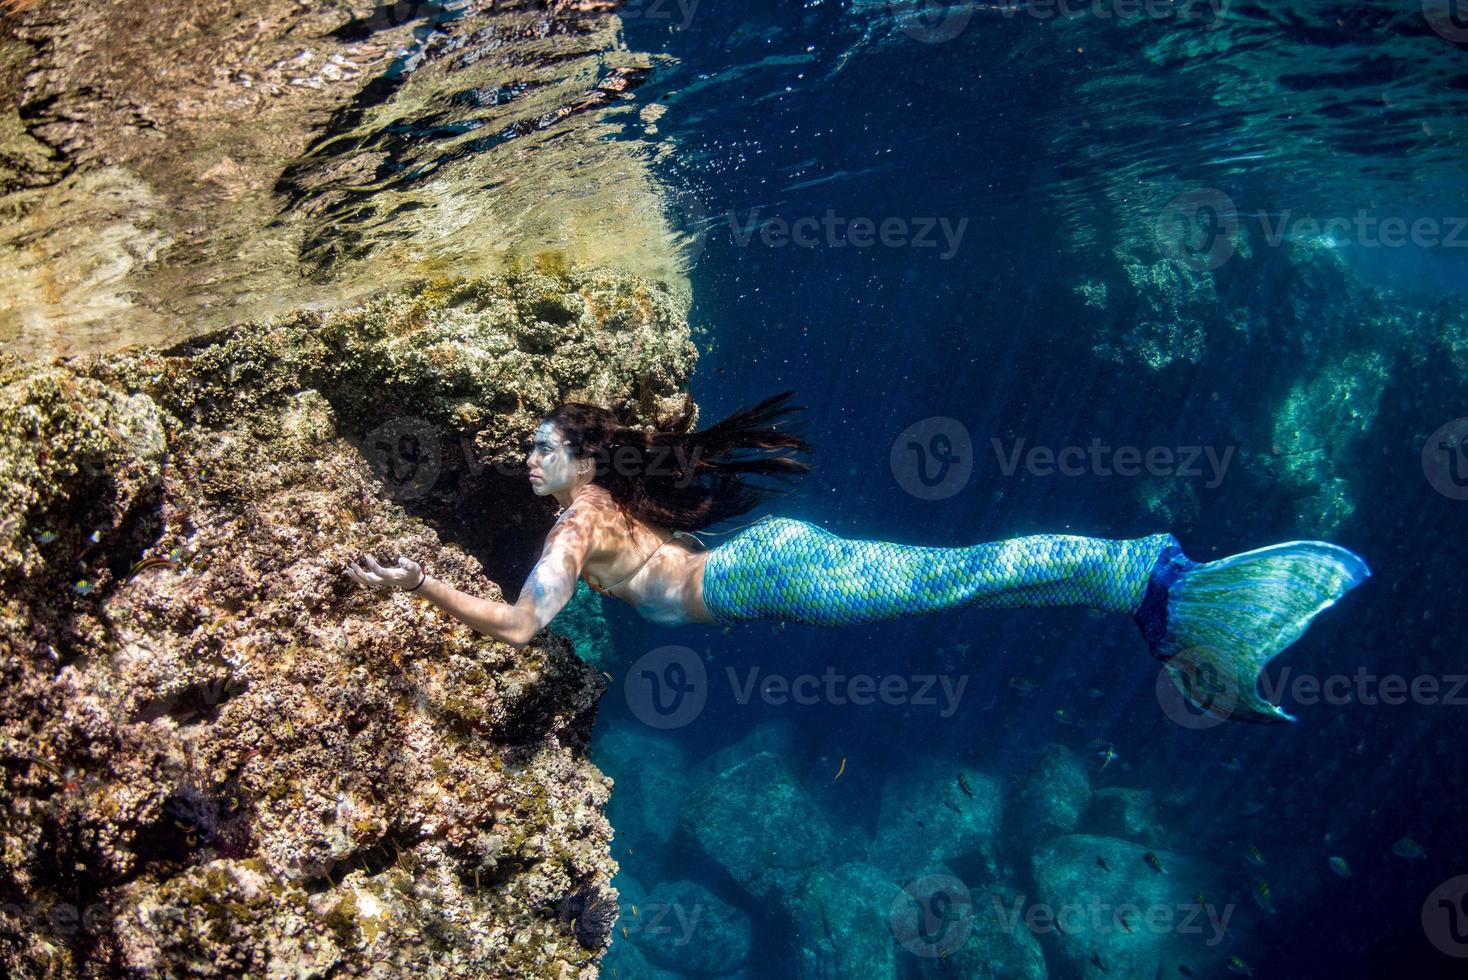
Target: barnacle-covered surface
pixel 233 760
pixel 179 166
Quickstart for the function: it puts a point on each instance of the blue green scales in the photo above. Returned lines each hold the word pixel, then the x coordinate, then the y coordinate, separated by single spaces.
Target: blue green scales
pixel 1213 624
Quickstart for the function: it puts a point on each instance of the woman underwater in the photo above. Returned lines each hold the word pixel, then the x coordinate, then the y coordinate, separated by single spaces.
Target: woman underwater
pixel 630 496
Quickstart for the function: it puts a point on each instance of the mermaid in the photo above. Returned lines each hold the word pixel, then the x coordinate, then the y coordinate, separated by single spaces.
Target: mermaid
pixel 631 498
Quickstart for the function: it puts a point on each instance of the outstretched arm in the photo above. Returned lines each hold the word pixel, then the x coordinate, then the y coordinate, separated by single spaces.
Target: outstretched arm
pixel 547 590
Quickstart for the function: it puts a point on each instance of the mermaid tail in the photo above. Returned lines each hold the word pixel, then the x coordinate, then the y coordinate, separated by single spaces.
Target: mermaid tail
pixel 1215 625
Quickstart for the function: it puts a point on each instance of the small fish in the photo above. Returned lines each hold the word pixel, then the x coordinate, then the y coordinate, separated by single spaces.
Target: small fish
pixel 83 587
pixel 1409 849
pixel 630 852
pixel 1023 685
pixel 95 537
pixel 1106 755
pixel 1262 896
pixel 154 562
pixel 1125 922
pixel 1153 862
pixel 1239 966
pixel 45 536
pixel 1096 962
pixel 1340 867
pixel 1200 899
pixel 841 770
pixel 1255 858
pixel 1063 717
pixel 607 676
pixel 963 785
pixel 1101 863
pixel 624 933
pixel 1232 763
pixel 778 628
pixel 942 952
pixel 634 911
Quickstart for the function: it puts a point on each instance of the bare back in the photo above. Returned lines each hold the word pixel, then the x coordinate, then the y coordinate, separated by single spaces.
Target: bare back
pixel 666 588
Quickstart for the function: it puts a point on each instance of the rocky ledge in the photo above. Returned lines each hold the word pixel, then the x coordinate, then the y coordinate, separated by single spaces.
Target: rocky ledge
pixel 221 756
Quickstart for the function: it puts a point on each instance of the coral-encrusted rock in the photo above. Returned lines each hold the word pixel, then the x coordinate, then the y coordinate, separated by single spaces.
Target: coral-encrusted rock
pixel 232 758
pixel 757 821
pixel 1053 796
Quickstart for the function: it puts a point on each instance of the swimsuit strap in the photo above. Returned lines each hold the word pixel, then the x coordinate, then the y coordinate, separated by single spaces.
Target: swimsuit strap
pixel 608 589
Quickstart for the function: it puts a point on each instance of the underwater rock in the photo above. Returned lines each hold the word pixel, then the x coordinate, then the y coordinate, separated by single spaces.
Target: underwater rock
pixel 650 773
pixel 684 927
pixel 840 919
pixel 1126 813
pixel 1154 314
pixel 945 928
pixel 756 820
pixel 927 819
pixel 1136 921
pixel 222 755
pixel 1053 796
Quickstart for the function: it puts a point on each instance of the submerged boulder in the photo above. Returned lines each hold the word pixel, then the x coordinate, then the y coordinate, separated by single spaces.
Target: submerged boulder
pixel 238 758
pixel 840 919
pixel 1053 796
pixel 756 820
pixel 1127 919
pixel 927 818
pixel 684 927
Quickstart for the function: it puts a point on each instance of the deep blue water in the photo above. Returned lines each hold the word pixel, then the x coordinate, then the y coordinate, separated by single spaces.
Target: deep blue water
pixel 1050 157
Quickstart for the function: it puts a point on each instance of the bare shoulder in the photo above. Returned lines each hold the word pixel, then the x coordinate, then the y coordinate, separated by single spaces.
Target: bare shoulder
pixel 591 518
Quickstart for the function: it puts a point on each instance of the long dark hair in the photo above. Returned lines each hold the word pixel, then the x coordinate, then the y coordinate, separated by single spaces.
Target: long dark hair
pixel 667 475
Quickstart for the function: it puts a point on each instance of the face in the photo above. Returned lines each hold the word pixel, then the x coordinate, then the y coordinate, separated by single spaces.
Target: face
pixel 550 463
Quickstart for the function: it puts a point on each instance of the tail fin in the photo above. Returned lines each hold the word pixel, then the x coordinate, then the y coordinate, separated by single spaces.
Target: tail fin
pixel 1216 624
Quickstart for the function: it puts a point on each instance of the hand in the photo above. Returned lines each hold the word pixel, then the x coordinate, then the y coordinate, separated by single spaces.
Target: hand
pixel 407 574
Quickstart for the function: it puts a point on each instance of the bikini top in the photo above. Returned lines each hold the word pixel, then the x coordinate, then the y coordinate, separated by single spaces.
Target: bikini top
pixel 608 589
